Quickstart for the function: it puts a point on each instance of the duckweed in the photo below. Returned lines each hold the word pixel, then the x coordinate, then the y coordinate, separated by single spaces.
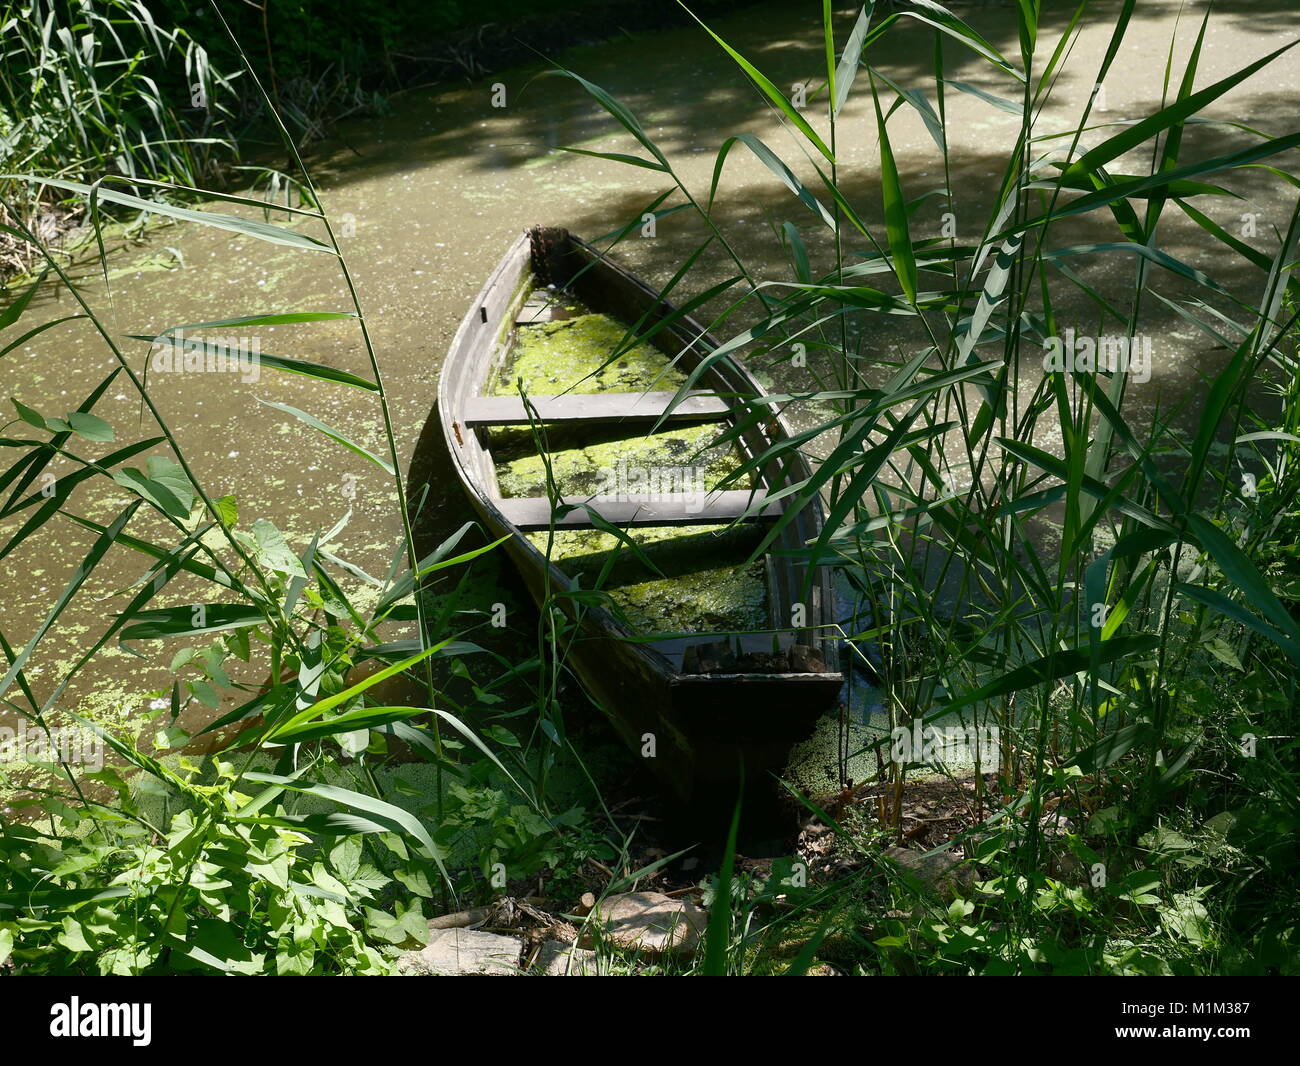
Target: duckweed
pixel 569 354
pixel 703 602
pixel 701 589
pixel 692 597
pixel 614 461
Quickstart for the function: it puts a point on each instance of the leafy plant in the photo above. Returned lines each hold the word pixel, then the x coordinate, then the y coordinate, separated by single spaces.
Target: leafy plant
pixel 942 471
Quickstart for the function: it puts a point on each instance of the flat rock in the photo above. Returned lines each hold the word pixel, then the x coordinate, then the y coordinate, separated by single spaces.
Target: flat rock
pixel 463 953
pixel 651 922
pixel 941 871
pixel 566 960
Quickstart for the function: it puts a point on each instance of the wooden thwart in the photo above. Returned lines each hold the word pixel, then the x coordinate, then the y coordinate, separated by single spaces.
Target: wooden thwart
pixel 596 407
pixel 531 513
pixel 534 314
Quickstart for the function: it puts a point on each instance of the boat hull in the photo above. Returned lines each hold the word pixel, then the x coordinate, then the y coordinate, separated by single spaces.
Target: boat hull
pixel 700 735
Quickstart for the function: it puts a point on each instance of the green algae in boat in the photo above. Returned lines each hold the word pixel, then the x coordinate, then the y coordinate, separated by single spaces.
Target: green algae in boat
pixel 699 588
pixel 577 354
pixel 709 664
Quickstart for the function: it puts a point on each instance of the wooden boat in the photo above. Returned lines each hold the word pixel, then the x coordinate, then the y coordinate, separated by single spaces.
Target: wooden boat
pixel 712 708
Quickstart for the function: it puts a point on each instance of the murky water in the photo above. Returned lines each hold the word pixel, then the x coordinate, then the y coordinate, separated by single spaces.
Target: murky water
pixel 428 198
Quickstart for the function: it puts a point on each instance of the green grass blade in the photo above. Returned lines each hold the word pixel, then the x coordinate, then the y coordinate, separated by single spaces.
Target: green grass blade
pixel 1166 118
pixel 769 90
pixel 718 932
pixel 96 553
pixel 334 434
pixel 896 222
pixel 244 227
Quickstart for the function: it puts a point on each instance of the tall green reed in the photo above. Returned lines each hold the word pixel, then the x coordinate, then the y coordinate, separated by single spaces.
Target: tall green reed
pixel 941 472
pixel 257 600
pixel 99 87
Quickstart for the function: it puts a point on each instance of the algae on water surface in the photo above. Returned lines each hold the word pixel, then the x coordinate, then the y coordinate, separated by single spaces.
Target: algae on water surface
pixel 569 355
pixel 610 460
pixel 709 601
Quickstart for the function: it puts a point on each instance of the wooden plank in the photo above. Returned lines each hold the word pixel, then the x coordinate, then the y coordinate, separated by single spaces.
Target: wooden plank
pixel 595 407
pixel 674 648
pixel 469 361
pixel 534 314
pixel 682 509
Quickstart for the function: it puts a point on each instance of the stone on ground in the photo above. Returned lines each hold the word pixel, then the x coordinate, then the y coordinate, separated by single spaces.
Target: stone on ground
pixel 941 871
pixel 463 953
pixel 566 960
pixel 651 923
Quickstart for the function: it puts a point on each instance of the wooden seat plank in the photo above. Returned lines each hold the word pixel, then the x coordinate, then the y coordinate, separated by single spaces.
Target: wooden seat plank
pixel 595 407
pixel 534 512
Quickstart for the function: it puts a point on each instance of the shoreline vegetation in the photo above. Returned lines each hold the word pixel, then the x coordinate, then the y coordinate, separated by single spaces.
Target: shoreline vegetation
pixel 1074 756
pixel 201 117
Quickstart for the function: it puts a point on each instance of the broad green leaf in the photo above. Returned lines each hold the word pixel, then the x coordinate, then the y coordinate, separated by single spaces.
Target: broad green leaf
pixel 190 620
pixel 165 485
pixel 29 415
pixel 92 427
pixel 273 551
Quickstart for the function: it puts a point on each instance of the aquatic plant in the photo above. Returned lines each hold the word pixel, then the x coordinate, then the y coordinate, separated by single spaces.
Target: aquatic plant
pixel 264 842
pixel 1017 547
pixel 89 92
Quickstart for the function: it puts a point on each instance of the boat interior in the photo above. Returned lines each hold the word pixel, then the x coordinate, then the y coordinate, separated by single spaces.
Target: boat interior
pixel 564 402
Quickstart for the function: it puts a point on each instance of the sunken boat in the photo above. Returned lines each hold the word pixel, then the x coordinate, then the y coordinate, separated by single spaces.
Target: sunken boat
pixel 710 660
